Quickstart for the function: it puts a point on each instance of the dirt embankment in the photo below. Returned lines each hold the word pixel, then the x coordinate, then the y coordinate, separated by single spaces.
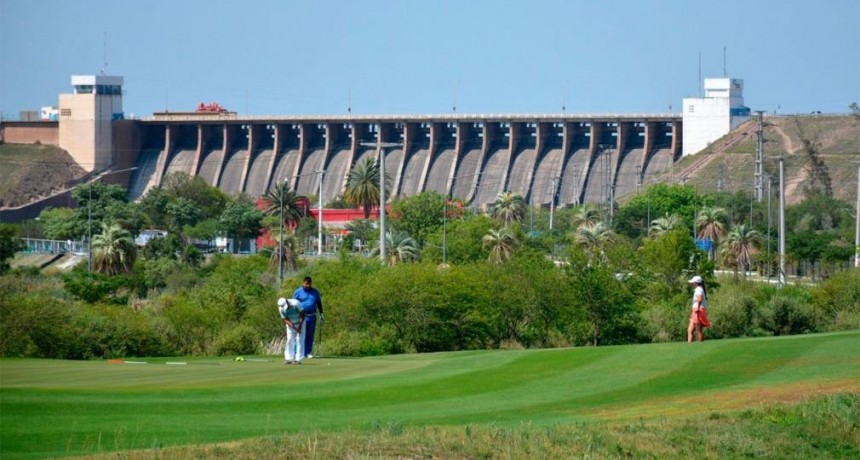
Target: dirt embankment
pixel 32 172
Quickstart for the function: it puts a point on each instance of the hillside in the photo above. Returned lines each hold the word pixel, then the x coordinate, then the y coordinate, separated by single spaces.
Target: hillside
pixel 836 137
pixel 32 171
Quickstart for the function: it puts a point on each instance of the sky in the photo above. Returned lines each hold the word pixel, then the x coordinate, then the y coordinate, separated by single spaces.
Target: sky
pixel 365 57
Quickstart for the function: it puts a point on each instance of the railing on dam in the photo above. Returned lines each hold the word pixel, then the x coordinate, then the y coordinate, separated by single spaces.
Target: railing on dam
pixel 582 157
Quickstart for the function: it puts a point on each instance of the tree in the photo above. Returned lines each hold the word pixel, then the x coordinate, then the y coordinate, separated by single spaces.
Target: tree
pixel 114 250
pixel 399 247
pixel 280 199
pixel 464 241
pixel 711 224
pixel 668 255
pixel 419 215
pixel 61 224
pixel 360 230
pixel 586 215
pixel 665 224
pixel 592 239
pixel 742 244
pixel 509 207
pixel 501 244
pixel 211 200
pixel 362 186
pixel 9 245
pixel 241 220
pixel 632 219
pixel 600 300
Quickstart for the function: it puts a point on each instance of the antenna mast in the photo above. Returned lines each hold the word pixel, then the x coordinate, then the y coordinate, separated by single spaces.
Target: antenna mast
pixel 104 54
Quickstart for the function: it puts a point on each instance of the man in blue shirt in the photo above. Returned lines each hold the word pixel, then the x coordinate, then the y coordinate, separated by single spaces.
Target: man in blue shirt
pixel 311 301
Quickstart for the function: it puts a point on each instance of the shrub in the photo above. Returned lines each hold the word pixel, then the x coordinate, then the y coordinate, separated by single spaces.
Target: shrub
pixel 239 340
pixel 787 313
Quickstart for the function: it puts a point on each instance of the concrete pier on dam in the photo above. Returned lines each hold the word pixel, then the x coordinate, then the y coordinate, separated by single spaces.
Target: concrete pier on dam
pixel 574 158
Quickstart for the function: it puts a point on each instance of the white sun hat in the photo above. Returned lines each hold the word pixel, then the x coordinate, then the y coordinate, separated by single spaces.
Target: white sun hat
pixel 282 302
pixel 696 279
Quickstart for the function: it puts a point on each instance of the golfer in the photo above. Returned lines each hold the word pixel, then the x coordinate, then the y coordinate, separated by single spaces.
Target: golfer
pixel 294 321
pixel 698 313
pixel 311 301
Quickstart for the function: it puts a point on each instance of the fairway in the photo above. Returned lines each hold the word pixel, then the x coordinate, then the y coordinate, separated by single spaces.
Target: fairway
pixel 56 408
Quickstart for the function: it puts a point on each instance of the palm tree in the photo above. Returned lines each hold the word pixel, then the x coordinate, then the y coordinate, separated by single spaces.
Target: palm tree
pixel 501 243
pixel 592 238
pixel 279 198
pixel 509 207
pixel 586 216
pixel 114 251
pixel 742 244
pixel 665 224
pixel 711 223
pixel 362 186
pixel 399 246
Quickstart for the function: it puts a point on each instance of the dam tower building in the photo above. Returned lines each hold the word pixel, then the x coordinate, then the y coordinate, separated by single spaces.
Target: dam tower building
pixel 711 117
pixel 86 119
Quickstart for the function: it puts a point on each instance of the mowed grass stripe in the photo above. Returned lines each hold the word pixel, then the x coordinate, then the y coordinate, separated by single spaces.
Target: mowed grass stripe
pixel 49 412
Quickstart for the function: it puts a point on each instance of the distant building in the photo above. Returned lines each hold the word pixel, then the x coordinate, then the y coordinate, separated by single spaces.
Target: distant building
pixel 709 118
pixel 86 117
pixel 49 114
pixel 146 235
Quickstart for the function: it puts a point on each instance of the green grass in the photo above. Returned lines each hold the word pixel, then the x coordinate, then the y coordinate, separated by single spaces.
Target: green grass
pixel 55 408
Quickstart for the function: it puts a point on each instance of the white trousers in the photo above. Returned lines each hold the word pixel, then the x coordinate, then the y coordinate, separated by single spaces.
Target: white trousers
pixel 294 350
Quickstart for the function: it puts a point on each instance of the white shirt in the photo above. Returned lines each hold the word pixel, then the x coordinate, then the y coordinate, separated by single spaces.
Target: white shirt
pixel 699 291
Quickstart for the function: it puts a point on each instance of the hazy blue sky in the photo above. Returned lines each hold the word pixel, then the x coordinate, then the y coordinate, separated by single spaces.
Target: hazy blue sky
pixel 306 57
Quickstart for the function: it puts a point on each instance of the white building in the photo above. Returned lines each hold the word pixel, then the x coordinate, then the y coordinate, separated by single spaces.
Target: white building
pixel 709 118
pixel 49 113
pixel 86 118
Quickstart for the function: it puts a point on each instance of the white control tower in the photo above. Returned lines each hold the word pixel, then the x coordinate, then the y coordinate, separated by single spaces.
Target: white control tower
pixel 709 118
pixel 86 118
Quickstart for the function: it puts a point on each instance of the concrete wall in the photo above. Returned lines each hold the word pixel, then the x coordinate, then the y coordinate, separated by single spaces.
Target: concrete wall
pixel 30 132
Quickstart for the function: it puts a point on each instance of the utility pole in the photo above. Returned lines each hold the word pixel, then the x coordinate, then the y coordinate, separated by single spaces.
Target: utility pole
pixel 857 223
pixel 781 221
pixel 552 201
pixel 759 158
pixel 382 146
pixel 320 215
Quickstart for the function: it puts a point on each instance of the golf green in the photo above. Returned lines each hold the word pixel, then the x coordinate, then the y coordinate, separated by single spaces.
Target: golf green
pixel 55 408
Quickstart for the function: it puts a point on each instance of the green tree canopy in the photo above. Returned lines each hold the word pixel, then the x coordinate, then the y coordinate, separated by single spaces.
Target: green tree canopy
pixel 419 215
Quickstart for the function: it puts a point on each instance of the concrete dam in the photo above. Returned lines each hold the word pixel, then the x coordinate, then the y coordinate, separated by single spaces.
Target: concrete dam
pixel 574 158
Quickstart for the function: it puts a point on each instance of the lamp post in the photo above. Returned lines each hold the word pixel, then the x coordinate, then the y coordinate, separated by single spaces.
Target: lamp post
pixel 90 215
